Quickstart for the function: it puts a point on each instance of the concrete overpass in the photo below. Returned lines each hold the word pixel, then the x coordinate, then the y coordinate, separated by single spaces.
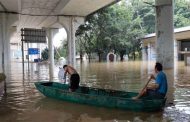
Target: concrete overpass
pixel 43 13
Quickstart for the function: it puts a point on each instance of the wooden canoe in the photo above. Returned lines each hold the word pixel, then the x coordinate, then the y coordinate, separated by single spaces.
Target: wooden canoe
pixel 99 97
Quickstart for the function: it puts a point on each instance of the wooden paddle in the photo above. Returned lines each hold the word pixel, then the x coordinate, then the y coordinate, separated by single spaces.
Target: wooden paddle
pixel 141 93
pixel 146 84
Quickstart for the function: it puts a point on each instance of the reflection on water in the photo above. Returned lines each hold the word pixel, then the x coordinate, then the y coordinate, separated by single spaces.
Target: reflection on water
pixel 23 103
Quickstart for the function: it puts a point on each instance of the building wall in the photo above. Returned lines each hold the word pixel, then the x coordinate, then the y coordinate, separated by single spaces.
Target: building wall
pixel 149 50
pixel 184 46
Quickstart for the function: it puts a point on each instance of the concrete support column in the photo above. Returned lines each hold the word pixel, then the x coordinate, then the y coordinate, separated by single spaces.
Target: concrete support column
pixel 175 50
pixel 165 42
pixel 6 31
pixel 164 33
pixel 151 52
pixel 71 44
pixel 179 49
pixel 71 24
pixel 9 31
pixel 39 47
pixel 3 38
pixel 50 35
pixel 1 48
pixel 144 52
pixel 5 54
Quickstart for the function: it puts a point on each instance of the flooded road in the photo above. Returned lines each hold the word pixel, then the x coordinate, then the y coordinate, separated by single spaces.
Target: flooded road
pixel 23 103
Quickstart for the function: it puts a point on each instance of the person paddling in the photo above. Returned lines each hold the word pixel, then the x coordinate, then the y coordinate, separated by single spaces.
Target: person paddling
pixel 157 89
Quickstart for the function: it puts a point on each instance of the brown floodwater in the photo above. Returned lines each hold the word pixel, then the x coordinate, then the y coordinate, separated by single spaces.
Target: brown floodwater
pixel 23 103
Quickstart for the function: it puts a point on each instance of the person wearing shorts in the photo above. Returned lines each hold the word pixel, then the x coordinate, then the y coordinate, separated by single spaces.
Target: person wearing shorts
pixel 74 77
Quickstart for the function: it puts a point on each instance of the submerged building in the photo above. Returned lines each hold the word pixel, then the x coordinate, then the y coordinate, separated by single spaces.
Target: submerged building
pixel 181 45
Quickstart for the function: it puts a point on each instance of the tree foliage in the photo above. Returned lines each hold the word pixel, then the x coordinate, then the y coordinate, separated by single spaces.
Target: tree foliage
pixel 111 29
pixel 44 54
pixel 119 27
pixel 62 50
pixel 181 13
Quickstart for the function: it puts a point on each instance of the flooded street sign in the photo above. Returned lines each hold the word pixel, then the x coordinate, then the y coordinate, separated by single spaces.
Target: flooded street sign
pixel 33 51
pixel 31 35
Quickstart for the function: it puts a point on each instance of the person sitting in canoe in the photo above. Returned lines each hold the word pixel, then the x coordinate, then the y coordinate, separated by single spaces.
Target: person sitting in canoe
pixel 74 77
pixel 157 89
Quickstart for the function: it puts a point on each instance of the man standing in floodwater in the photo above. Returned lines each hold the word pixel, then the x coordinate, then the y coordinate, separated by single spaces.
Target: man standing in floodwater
pixel 74 77
pixel 157 89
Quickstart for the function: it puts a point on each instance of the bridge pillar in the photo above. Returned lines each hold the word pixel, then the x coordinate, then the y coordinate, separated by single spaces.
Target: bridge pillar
pixel 6 30
pixel 50 34
pixel 165 42
pixel 164 33
pixel 144 52
pixel 71 24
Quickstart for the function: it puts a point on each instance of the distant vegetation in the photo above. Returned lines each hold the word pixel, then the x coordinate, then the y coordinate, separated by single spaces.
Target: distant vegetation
pixel 119 28
pixel 44 54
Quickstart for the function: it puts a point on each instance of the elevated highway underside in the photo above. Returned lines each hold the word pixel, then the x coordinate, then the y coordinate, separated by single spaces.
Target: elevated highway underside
pixel 41 13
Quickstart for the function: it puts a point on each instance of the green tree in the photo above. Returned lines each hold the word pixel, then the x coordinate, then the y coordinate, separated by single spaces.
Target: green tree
pixel 110 29
pixel 146 11
pixel 44 54
pixel 85 38
pixel 80 47
pixel 61 51
pixel 181 13
pixel 127 29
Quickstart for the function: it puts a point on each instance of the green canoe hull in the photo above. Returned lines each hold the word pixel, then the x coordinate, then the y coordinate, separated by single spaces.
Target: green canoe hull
pixel 99 97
